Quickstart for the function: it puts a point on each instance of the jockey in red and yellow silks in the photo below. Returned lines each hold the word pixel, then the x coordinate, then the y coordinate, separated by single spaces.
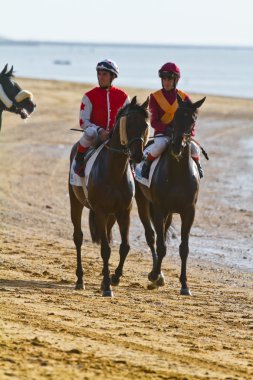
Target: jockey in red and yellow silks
pixel 98 110
pixel 163 105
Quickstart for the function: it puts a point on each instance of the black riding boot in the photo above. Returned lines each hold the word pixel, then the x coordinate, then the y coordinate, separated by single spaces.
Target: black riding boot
pixel 78 168
pixel 146 168
pixel 200 169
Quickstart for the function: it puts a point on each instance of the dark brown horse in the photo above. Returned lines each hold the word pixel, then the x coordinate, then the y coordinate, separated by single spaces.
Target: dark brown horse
pixel 110 191
pixel 12 97
pixel 174 189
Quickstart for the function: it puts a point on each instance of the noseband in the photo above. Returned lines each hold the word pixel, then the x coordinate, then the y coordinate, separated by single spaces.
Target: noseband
pixel 13 105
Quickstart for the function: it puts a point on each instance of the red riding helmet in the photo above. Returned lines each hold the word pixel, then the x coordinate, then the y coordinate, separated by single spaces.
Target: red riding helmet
pixel 169 68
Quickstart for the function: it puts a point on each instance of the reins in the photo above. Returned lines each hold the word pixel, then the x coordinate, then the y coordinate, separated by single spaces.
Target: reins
pixel 126 146
pixel 125 151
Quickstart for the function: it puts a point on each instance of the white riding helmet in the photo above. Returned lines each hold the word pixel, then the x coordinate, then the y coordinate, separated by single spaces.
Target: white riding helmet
pixel 108 65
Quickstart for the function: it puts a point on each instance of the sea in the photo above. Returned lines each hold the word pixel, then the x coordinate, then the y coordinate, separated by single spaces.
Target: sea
pixel 226 71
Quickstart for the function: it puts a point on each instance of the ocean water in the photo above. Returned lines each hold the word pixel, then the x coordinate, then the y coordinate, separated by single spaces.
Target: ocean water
pixel 224 71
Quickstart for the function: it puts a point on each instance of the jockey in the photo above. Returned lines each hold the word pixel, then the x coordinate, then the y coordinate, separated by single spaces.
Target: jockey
pixel 98 110
pixel 163 105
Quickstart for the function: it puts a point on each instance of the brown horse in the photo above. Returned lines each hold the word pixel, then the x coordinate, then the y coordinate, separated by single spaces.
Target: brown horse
pixel 110 191
pixel 174 189
pixel 12 97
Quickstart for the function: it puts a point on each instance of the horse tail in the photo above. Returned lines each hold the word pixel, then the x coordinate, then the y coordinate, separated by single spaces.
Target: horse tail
pixel 93 228
pixel 170 230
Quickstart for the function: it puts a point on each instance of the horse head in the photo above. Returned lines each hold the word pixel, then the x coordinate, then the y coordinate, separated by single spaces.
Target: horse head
pixel 133 128
pixel 183 123
pixel 12 97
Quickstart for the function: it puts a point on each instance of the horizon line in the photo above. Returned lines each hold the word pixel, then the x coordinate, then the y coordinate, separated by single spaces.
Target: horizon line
pixel 4 40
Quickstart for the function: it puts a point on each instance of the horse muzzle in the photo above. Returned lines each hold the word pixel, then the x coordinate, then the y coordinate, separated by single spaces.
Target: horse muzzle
pixel 136 150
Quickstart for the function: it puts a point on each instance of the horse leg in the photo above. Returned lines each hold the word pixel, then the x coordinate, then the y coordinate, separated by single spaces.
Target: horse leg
pixel 101 222
pixel 76 209
pixel 156 276
pixel 123 220
pixel 143 206
pixel 110 223
pixel 187 219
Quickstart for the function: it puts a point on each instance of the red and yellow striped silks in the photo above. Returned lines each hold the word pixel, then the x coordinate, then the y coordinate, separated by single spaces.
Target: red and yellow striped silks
pixel 168 108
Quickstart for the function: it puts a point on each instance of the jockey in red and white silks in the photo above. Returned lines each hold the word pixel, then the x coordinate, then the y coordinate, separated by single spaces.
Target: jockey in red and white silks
pixel 163 105
pixel 98 110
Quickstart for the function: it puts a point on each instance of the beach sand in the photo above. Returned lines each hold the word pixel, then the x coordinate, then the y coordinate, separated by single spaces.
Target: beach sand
pixel 50 331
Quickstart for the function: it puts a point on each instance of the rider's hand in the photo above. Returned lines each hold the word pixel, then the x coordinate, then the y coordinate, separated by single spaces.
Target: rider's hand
pixel 103 134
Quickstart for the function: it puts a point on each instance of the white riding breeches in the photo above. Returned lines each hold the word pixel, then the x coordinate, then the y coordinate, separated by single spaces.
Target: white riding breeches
pixel 161 142
pixel 159 146
pixel 89 137
pixel 195 150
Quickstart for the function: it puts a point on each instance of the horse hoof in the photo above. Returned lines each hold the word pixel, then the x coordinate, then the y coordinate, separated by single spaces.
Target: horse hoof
pixel 114 280
pixel 107 293
pixel 160 281
pixel 79 286
pixel 151 277
pixel 185 292
pixel 152 286
pixel 156 283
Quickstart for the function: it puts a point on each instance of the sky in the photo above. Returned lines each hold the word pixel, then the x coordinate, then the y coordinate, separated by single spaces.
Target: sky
pixel 184 22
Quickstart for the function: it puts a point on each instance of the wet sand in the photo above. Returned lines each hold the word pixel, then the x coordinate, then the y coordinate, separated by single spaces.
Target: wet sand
pixel 50 331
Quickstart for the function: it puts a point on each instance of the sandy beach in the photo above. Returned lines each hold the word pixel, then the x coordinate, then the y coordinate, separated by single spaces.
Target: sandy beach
pixel 50 331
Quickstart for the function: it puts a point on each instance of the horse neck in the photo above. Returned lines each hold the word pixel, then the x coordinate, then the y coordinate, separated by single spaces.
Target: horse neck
pixel 117 161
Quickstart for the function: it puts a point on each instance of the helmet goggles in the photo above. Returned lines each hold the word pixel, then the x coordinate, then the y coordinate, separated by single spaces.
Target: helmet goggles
pixel 168 75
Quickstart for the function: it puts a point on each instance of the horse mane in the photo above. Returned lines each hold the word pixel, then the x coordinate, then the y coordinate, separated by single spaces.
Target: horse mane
pixel 132 107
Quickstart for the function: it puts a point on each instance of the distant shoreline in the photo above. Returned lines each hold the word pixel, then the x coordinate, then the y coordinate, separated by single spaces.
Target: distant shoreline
pixel 6 41
pixel 226 71
pixel 137 89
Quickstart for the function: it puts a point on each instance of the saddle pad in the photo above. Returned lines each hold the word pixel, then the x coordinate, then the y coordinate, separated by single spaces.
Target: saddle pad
pixel 75 179
pixel 138 176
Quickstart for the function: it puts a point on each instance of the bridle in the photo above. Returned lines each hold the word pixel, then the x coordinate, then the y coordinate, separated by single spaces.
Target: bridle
pixel 186 139
pixel 13 105
pixel 124 141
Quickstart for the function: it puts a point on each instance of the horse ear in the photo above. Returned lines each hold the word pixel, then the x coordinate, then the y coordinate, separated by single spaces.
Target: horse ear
pixel 199 103
pixel 10 72
pixel 4 69
pixel 145 104
pixel 179 100
pixel 134 101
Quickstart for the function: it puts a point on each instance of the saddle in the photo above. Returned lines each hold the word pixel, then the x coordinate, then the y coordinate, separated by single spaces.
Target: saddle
pixel 88 155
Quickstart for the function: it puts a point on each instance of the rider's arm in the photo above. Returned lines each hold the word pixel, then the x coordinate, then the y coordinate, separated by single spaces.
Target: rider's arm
pixel 85 114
